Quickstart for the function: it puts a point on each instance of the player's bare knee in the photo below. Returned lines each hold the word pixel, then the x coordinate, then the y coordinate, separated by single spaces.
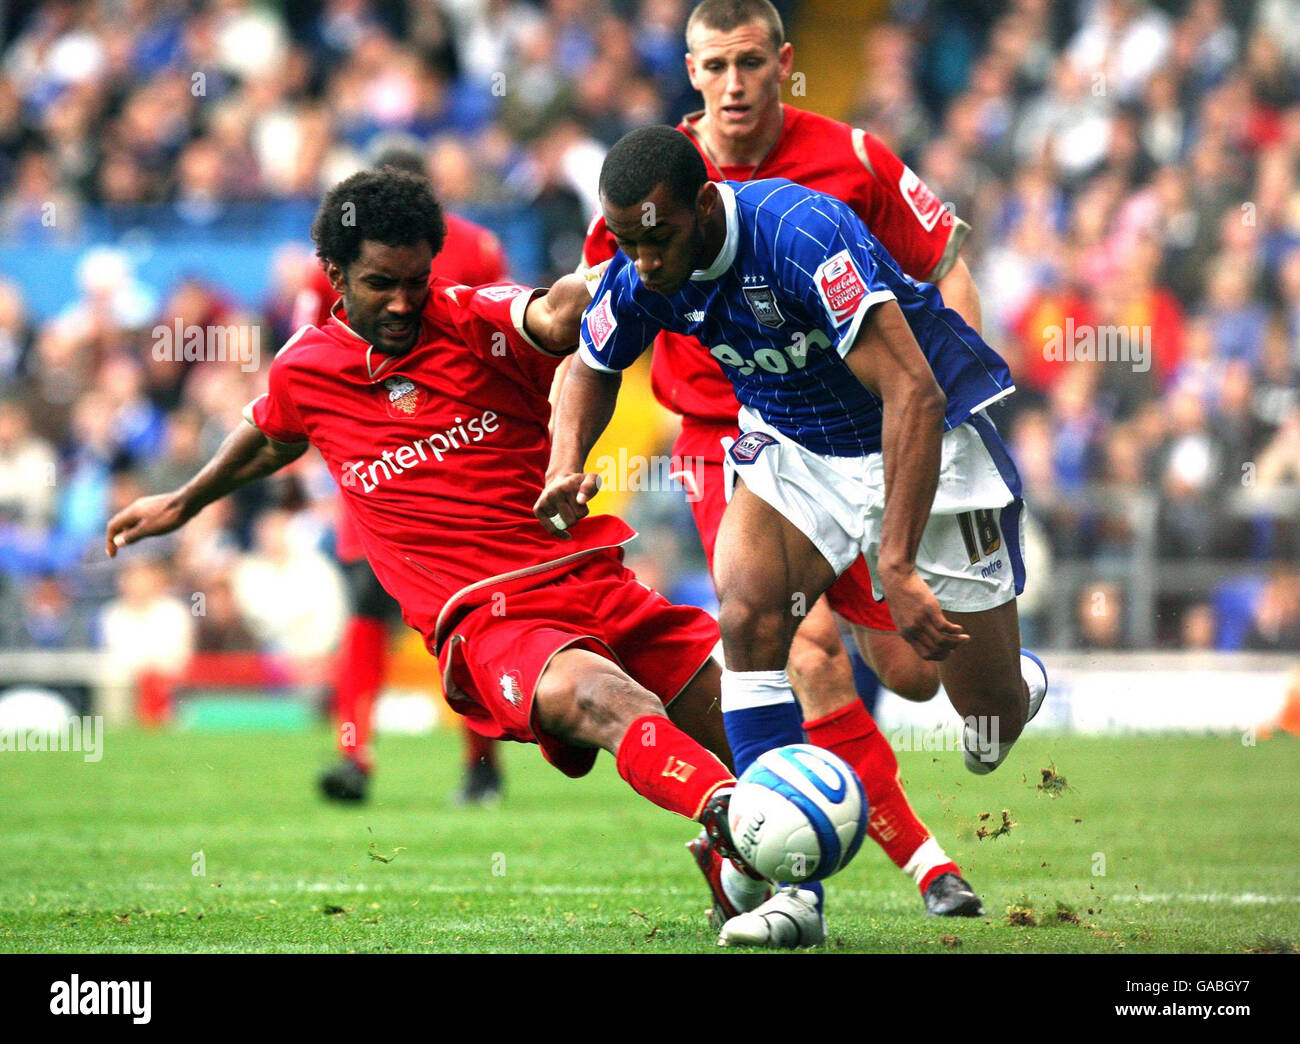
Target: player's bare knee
pixel 810 658
pixel 607 703
pixel 755 632
pixel 584 698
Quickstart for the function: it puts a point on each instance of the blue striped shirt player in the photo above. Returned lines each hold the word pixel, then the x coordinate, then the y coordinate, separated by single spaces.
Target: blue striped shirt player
pixel 780 307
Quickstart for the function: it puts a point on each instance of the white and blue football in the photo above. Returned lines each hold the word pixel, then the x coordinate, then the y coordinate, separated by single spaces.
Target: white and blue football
pixel 798 814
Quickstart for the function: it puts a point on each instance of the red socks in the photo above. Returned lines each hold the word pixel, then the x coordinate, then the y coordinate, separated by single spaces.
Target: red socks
pixel 363 660
pixel 852 733
pixel 664 765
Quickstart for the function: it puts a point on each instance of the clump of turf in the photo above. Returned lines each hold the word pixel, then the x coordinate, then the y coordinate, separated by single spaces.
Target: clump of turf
pixel 1053 784
pixel 1003 828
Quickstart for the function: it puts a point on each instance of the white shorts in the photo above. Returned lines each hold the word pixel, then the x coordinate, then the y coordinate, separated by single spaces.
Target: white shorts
pixel 970 551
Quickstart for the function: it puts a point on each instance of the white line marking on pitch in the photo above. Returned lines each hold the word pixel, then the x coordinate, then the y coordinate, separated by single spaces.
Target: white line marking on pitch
pixel 1240 899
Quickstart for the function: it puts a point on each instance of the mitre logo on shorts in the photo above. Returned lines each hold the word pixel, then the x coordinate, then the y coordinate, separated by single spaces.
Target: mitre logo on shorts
pixel 745 450
pixel 840 285
pixel 404 397
pixel 600 322
pixel 511 688
pixel 924 203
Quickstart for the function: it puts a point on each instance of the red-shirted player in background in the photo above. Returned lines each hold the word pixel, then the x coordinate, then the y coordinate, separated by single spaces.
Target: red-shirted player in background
pixel 737 59
pixel 428 402
pixel 471 255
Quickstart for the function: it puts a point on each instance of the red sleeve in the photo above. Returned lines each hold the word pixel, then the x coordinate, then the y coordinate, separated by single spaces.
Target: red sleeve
pixel 490 320
pixel 922 234
pixel 274 413
pixel 599 245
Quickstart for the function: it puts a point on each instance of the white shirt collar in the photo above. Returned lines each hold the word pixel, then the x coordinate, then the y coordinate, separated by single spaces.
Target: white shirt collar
pixel 728 252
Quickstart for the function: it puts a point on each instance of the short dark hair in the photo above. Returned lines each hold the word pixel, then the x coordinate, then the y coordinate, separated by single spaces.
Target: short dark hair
pixel 401 159
pixel 725 15
pixel 648 157
pixel 388 206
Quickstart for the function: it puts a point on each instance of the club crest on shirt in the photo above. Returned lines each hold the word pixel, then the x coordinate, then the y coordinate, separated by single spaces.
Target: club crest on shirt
pixel 762 302
pixel 404 397
pixel 510 688
pixel 745 450
pixel 840 285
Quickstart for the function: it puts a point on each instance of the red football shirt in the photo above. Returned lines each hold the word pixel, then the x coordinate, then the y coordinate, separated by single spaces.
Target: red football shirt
pixel 828 156
pixel 471 254
pixel 441 452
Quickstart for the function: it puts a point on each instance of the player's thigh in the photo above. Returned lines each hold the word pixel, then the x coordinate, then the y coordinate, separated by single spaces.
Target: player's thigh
pixel 697 711
pixel 763 559
pixel 585 699
pixel 898 666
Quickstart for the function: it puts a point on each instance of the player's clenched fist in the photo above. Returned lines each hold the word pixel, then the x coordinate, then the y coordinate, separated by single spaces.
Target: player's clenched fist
pixel 146 517
pixel 564 501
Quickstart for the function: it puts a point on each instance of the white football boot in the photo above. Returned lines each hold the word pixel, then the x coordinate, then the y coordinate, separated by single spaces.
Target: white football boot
pixel 788 920
pixel 1035 675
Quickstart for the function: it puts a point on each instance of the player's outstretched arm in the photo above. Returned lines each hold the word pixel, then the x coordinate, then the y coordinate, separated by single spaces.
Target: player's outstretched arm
pixel 886 358
pixel 552 320
pixel 245 456
pixel 585 406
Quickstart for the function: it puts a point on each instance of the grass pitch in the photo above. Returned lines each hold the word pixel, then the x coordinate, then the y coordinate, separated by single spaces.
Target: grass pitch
pixel 189 842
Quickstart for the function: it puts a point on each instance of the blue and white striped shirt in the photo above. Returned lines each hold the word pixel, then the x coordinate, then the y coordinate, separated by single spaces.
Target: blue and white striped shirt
pixel 781 306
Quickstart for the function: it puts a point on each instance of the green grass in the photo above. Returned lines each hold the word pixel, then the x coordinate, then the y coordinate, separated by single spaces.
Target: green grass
pixel 1199 835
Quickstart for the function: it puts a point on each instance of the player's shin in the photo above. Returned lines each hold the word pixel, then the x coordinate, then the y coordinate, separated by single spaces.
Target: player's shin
pixel 361 673
pixel 984 748
pixel 664 765
pixel 759 713
pixel 853 734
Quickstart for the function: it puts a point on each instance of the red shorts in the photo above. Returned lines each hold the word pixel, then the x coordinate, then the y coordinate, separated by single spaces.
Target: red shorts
pixel 697 456
pixel 493 657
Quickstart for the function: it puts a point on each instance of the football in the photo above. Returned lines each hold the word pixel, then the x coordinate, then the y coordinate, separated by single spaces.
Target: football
pixel 798 814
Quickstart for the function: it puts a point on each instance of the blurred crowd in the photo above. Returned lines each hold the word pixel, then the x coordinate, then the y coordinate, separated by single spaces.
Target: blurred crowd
pixel 1131 171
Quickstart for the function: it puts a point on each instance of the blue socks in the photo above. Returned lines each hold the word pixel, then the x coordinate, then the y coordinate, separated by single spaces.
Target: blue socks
pixel 759 713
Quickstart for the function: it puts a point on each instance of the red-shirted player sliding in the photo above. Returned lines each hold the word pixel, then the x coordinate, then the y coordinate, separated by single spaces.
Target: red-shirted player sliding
pixel 471 255
pixel 428 402
pixel 737 59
